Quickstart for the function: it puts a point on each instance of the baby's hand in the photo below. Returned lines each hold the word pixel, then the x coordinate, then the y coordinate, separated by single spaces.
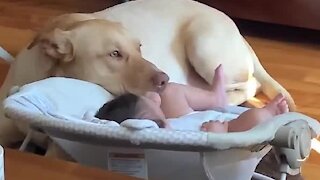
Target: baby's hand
pixel 215 126
pixel 153 96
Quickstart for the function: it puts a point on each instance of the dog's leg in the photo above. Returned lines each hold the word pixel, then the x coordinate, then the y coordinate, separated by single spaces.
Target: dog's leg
pixel 208 45
pixel 9 133
pixel 269 86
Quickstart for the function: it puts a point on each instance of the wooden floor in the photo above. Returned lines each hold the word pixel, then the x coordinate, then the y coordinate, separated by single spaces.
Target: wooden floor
pixel 18 167
pixel 294 62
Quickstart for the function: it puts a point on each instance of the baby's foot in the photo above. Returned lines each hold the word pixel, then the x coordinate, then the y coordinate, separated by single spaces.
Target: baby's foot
pixel 278 105
pixel 218 88
pixel 214 126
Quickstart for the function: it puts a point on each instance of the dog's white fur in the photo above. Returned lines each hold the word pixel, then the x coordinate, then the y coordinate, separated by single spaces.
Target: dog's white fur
pixel 181 37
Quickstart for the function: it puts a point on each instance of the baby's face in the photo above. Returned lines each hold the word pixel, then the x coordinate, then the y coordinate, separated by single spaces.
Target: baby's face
pixel 148 107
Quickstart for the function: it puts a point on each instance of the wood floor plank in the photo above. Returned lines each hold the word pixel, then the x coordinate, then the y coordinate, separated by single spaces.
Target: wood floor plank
pixel 13 39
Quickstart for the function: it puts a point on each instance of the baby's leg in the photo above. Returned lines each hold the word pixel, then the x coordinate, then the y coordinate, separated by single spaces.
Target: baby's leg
pixel 253 117
pixel 177 99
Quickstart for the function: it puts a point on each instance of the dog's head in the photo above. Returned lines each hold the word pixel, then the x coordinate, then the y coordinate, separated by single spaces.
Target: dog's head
pixel 101 52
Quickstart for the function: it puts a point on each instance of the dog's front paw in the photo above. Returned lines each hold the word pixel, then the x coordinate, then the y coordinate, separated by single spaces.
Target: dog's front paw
pixel 13 90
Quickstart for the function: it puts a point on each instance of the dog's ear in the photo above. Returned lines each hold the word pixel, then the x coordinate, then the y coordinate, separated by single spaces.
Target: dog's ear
pixel 56 44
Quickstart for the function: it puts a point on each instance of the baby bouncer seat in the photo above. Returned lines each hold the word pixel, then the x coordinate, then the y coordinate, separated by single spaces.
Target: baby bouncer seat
pixel 63 109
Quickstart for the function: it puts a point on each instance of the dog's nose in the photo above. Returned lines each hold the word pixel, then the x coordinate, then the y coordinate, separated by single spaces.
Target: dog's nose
pixel 160 80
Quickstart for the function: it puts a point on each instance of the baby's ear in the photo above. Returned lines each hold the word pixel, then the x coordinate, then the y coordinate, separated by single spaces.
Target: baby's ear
pixel 56 44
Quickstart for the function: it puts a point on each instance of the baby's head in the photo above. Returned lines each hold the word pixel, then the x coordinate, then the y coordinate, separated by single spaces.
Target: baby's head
pixel 130 106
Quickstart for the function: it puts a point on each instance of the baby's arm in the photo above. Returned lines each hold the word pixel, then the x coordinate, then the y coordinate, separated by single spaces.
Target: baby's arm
pixel 250 118
pixel 178 99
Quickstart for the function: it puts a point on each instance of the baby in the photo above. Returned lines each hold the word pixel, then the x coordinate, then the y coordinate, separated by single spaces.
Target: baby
pixel 177 100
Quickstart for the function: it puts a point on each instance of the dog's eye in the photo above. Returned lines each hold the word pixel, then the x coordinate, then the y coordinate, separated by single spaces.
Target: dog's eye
pixel 115 54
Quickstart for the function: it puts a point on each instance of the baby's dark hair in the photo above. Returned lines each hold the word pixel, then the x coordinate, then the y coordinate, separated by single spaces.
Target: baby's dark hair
pixel 119 109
